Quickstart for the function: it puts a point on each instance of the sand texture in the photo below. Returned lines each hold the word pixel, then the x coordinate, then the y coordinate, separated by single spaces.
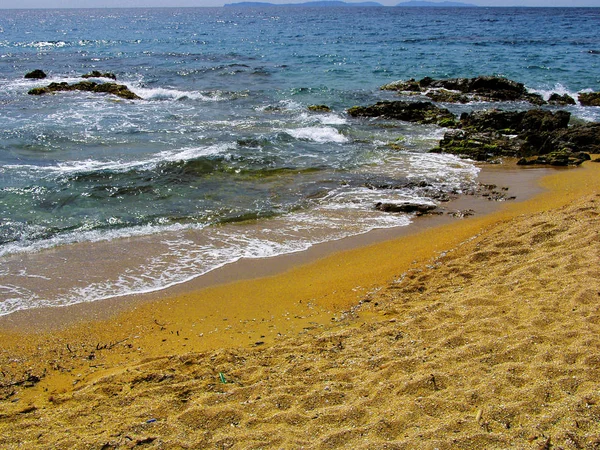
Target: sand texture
pixel 492 343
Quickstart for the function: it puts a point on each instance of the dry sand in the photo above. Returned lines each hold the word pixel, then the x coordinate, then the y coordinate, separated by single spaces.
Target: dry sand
pixel 480 334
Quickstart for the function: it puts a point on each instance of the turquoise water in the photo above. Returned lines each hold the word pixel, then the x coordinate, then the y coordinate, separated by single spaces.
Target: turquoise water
pixel 221 158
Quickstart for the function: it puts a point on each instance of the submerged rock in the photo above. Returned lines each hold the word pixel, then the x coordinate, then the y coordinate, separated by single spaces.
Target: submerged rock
pixel 319 108
pixel 418 112
pixel 590 99
pixel 36 74
pixel 119 90
pixel 97 74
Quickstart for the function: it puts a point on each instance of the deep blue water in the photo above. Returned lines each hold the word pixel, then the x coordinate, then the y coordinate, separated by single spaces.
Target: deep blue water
pixel 221 159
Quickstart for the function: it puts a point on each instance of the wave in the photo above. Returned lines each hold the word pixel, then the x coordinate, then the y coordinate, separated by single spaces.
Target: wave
pixel 318 134
pixel 118 166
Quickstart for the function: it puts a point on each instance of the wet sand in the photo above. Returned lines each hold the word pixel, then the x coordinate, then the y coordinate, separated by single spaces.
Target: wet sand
pixel 481 333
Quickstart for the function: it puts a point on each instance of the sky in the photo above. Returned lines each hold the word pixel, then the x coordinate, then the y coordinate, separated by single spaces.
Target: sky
pixel 183 3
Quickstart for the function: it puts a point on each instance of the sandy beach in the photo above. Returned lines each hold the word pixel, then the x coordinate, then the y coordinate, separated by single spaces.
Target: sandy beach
pixel 478 333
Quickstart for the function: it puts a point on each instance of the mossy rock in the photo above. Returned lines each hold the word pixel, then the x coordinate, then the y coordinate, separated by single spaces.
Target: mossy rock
pixel 590 99
pixel 119 90
pixel 319 108
pixel 446 96
pixel 98 74
pixel 561 100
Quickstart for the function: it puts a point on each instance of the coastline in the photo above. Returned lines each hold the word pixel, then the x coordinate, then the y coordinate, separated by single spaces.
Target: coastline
pixel 512 180
pixel 338 293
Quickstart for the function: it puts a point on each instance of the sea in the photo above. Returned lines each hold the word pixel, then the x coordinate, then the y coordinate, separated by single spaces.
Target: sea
pixel 222 159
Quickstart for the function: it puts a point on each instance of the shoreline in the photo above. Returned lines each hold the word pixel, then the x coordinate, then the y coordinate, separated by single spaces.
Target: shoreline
pixel 517 181
pixel 483 336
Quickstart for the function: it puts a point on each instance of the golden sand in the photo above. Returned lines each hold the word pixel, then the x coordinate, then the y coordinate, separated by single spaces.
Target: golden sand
pixel 480 334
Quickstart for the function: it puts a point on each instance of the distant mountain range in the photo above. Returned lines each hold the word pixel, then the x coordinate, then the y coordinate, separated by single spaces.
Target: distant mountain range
pixel 334 3
pixel 316 4
pixel 437 4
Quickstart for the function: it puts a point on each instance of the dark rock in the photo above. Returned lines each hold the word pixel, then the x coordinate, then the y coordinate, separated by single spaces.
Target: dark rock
pixel 487 88
pixel 479 146
pixel 419 112
pixel 405 207
pixel 584 138
pixel 319 108
pixel 119 90
pixel 561 100
pixel 97 74
pixel 590 99
pixel 36 74
pixel 513 122
pixel 406 86
pixel 564 157
pixel 446 96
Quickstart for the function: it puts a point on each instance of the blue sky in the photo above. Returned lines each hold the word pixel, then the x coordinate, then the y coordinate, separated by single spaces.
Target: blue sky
pixel 157 3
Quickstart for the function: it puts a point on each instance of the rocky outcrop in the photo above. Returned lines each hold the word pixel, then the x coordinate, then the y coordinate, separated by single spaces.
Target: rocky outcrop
pixel 119 90
pixel 561 100
pixel 36 74
pixel 417 112
pixel 590 99
pixel 406 207
pixel 98 74
pixel 319 108
pixel 563 157
pixel 484 135
pixel 487 88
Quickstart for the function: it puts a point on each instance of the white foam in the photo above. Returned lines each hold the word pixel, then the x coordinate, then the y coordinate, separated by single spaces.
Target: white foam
pixel 91 165
pixel 318 134
pixel 175 94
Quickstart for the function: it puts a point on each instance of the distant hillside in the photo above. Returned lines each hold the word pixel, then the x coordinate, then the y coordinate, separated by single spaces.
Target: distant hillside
pixel 437 4
pixel 327 4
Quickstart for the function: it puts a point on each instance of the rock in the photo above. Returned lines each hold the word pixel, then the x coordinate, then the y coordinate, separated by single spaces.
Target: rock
pixel 478 146
pixel 561 100
pixel 590 99
pixel 36 74
pixel 564 157
pixel 513 122
pixel 319 108
pixel 488 88
pixel 406 86
pixel 418 112
pixel 119 90
pixel 581 137
pixel 406 207
pixel 97 74
pixel 446 96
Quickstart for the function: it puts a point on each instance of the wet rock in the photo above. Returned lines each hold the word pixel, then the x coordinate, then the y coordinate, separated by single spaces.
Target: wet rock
pixel 561 100
pixel 319 108
pixel 590 99
pixel 418 112
pixel 479 146
pixel 119 90
pixel 513 122
pixel 487 88
pixel 406 207
pixel 36 74
pixel 584 138
pixel 404 86
pixel 485 135
pixel 445 96
pixel 97 74
pixel 564 157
